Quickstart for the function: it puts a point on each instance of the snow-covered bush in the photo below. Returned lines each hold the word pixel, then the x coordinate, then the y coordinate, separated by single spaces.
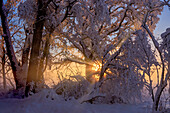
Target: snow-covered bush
pixel 2 92
pixel 122 89
pixel 74 87
pixel 47 94
pixel 113 90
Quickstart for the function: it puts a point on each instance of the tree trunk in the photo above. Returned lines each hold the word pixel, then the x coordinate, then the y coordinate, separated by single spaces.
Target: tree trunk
pixel 166 38
pixel 89 71
pixel 157 96
pixel 10 51
pixel 37 37
pixel 3 69
pixel 42 66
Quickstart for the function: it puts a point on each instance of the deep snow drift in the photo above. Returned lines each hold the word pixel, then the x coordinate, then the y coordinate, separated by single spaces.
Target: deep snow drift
pixel 43 103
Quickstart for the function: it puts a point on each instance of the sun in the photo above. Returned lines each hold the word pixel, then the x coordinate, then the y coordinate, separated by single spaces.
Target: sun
pixel 96 66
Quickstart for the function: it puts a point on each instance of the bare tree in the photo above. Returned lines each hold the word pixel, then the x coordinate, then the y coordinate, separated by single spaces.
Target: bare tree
pixel 17 68
pixel 164 76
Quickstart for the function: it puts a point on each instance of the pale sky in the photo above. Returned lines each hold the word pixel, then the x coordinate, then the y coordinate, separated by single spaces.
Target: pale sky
pixel 163 23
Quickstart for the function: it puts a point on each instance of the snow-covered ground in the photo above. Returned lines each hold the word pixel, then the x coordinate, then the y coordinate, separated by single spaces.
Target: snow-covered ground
pixel 39 103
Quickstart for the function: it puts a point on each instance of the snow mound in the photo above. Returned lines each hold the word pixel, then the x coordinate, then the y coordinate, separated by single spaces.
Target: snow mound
pixel 47 101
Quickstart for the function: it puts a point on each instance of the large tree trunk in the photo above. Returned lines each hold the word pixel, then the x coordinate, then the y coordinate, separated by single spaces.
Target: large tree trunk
pixel 10 51
pixel 37 37
pixel 42 66
pixel 18 71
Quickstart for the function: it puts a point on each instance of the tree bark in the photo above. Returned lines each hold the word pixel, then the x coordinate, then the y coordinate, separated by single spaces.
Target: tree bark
pixel 157 96
pixel 9 47
pixel 42 67
pixel 3 69
pixel 89 73
pixel 163 82
pixel 37 37
pixel 17 70
pixel 166 39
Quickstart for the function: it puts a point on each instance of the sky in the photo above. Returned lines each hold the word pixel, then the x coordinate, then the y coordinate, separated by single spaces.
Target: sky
pixel 163 23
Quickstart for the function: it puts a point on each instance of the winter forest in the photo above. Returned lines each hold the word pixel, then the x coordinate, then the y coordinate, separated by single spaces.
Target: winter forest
pixel 83 56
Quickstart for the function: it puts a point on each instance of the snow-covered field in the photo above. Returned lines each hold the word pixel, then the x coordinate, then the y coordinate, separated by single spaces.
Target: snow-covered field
pixel 39 103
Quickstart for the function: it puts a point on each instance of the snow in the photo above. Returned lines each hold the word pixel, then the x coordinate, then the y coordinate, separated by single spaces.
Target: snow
pixel 39 103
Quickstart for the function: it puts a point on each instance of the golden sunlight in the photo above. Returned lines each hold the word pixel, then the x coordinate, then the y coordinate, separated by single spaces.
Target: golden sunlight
pixel 96 66
pixel 95 77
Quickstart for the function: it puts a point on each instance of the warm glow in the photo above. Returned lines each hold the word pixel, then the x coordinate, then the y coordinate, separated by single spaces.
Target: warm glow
pixel 96 66
pixel 96 77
